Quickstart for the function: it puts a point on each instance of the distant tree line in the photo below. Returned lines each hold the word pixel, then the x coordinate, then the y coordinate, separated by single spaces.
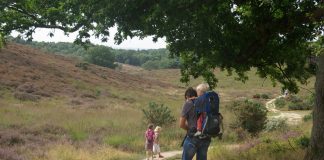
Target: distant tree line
pixel 107 56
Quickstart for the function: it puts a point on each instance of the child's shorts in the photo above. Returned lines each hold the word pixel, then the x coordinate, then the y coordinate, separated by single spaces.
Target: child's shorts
pixel 156 148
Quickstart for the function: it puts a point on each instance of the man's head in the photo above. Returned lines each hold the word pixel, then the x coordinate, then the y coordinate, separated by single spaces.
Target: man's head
pixel 202 88
pixel 190 93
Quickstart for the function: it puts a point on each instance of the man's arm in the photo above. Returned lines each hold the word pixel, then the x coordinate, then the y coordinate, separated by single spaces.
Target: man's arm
pixel 183 123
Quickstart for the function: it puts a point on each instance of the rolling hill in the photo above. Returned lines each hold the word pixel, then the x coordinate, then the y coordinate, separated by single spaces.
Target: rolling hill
pixel 32 74
pixel 49 102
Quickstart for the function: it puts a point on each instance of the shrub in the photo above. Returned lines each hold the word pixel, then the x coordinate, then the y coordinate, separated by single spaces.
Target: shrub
pixel 303 141
pixel 298 106
pixel 82 65
pixel 294 99
pixel 101 56
pixel 250 116
pixel 119 67
pixel 257 96
pixel 297 103
pixel 265 96
pixel 276 124
pixel 158 114
pixel 280 102
pixel 308 117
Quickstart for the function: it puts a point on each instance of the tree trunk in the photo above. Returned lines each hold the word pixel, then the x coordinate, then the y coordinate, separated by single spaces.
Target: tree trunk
pixel 316 149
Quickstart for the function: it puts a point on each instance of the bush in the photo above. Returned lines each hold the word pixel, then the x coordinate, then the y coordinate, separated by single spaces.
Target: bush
pixel 298 106
pixel 276 124
pixel 257 96
pixel 294 99
pixel 82 65
pixel 101 56
pixel 250 116
pixel 280 102
pixel 308 117
pixel 158 114
pixel 303 141
pixel 265 96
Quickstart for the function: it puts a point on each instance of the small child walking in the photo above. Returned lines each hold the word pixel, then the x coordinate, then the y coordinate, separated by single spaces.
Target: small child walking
pixel 149 140
pixel 156 145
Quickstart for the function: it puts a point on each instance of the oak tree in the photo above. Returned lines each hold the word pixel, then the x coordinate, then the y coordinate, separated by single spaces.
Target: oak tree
pixel 273 36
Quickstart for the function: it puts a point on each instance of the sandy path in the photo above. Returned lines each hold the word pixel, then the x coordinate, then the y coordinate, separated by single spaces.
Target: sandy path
pixel 293 117
pixel 167 155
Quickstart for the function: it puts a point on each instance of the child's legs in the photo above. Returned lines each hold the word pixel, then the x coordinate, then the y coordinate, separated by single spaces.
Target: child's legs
pixel 199 122
pixel 149 153
pixel 158 149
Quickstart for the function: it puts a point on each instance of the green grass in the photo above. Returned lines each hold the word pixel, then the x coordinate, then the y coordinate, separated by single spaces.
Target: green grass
pixel 114 121
pixel 271 145
pixel 69 152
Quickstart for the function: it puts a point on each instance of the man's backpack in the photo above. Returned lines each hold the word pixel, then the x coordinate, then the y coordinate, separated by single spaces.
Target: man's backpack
pixel 209 103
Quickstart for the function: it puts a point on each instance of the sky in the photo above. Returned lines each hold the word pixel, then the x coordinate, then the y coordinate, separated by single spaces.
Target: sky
pixel 135 43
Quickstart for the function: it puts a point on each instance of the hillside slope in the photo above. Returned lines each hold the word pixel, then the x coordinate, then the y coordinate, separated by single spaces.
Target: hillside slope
pixel 51 104
pixel 33 74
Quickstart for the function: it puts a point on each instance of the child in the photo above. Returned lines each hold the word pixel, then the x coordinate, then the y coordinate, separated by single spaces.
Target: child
pixel 200 123
pixel 149 139
pixel 156 145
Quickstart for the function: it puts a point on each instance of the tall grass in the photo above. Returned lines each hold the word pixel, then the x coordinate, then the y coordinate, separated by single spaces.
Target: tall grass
pixel 69 152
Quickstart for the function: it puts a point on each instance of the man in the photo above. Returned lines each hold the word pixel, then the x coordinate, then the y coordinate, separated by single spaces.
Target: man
pixel 188 121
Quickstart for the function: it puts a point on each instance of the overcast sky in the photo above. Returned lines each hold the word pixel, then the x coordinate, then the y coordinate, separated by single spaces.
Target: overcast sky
pixel 135 43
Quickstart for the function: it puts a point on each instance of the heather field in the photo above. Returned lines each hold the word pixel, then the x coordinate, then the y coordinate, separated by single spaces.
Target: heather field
pixel 51 109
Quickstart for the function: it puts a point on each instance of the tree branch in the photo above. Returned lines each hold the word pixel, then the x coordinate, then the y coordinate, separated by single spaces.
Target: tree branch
pixel 40 24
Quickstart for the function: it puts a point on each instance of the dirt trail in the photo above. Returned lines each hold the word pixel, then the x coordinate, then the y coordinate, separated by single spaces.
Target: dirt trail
pixel 167 155
pixel 293 117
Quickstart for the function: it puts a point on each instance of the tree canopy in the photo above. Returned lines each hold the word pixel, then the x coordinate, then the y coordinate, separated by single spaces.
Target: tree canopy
pixel 270 35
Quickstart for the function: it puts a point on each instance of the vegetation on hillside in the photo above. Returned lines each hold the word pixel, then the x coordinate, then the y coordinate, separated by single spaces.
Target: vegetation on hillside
pixel 148 59
pixel 294 102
